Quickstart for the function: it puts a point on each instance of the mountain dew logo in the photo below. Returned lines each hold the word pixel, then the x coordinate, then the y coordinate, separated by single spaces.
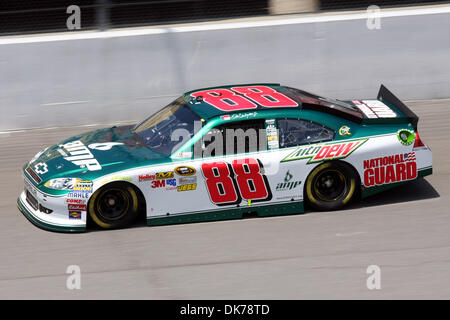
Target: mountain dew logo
pixel 325 151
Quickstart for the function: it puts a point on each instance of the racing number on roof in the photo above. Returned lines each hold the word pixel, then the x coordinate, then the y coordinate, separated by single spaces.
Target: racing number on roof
pixel 228 100
pixel 226 188
pixel 266 96
pixel 224 99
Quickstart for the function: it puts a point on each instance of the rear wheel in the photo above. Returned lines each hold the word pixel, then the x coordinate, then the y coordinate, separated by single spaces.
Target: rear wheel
pixel 331 186
pixel 114 206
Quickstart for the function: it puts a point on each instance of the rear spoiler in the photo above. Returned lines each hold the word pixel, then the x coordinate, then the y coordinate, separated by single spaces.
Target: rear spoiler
pixel 385 95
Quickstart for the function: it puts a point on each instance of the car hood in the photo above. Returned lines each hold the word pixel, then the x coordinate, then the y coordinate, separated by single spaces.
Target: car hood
pixel 93 154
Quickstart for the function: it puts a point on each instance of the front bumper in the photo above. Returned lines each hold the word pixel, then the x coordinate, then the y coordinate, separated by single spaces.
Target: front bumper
pixel 53 221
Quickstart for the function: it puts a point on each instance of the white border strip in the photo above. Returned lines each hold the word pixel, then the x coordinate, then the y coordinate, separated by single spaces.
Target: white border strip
pixel 220 26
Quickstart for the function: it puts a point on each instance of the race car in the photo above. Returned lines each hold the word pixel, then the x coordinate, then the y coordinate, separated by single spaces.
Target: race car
pixel 223 152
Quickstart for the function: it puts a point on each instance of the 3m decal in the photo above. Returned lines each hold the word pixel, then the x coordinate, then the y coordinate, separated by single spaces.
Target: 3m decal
pixel 390 169
pixel 158 184
pixel 328 151
pixel 230 183
pixel 184 171
pixel 80 155
pixel 374 109
pixel 229 100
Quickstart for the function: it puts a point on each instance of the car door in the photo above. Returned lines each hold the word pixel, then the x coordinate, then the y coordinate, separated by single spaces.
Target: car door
pixel 298 141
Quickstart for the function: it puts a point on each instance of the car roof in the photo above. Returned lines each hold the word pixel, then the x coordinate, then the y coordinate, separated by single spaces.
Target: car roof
pixel 304 100
pixel 207 111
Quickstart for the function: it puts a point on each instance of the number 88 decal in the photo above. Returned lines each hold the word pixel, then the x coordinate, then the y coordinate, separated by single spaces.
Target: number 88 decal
pixel 229 184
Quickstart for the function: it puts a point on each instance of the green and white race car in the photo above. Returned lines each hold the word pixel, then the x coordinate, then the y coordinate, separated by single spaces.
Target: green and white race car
pixel 219 153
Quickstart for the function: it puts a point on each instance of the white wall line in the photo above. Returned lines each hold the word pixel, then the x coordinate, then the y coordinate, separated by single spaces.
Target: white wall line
pixel 219 26
pixel 64 103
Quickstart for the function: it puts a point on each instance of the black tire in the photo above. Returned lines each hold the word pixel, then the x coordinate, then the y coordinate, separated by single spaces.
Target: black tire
pixel 331 186
pixel 113 206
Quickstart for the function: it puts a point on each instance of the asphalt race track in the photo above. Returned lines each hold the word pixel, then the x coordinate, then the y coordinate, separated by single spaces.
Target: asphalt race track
pixel 406 232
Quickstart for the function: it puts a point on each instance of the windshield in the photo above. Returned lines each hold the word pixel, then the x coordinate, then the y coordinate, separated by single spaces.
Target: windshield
pixel 158 131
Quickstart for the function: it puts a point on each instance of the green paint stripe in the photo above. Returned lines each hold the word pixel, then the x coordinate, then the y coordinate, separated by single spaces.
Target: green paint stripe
pixel 292 207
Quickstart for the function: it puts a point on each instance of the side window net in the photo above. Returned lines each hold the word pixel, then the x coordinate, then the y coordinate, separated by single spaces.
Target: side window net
pixel 295 132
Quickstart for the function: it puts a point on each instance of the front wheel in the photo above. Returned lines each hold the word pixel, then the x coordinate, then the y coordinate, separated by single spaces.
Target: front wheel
pixel 114 206
pixel 331 185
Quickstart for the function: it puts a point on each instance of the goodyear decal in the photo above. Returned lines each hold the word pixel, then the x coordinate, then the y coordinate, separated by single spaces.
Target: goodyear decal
pixel 325 151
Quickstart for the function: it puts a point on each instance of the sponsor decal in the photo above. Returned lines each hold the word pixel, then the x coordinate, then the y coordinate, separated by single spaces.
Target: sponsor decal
pixel 75 201
pixel 158 184
pixel 145 177
pixel 184 155
pixel 41 168
pixel 271 134
pixel 80 155
pixel 185 171
pixel 406 137
pixel 116 178
pixel 344 131
pixel 287 184
pixel 78 195
pixel 225 117
pixel 187 180
pixel 390 169
pixel 164 175
pixel 104 146
pixel 243 115
pixel 374 109
pixel 75 214
pixel 171 182
pixel 83 186
pixel 324 151
pixel 77 207
pixel 187 187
